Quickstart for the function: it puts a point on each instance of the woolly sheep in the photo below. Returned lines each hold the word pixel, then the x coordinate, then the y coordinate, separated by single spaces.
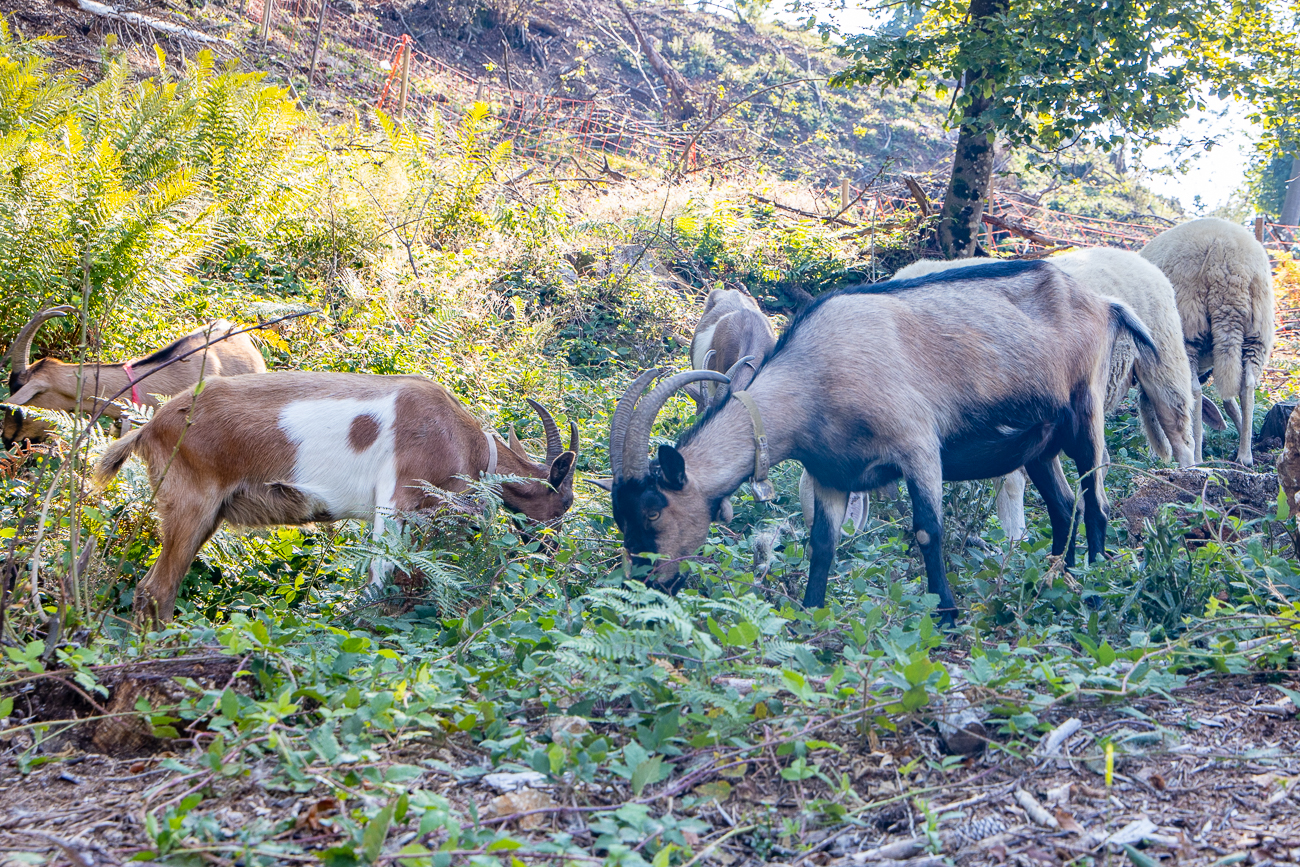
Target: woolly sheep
pixel 1224 287
pixel 1165 401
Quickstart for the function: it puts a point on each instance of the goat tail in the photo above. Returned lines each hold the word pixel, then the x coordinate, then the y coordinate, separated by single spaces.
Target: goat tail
pixel 1123 317
pixel 115 456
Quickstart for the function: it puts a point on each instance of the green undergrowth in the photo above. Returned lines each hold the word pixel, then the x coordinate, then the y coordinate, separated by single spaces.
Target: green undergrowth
pixel 498 646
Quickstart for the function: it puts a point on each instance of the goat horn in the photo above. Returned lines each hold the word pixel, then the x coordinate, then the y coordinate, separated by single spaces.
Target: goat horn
pixel 553 444
pixel 573 436
pixel 637 448
pixel 708 359
pixel 21 349
pixel 735 368
pixel 622 416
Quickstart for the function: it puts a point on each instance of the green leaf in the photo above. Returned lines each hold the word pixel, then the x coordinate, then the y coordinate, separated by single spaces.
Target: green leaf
pixel 647 772
pixel 505 844
pixel 1139 859
pixel 372 839
pixel 230 704
pixel 1283 512
pixel 6 707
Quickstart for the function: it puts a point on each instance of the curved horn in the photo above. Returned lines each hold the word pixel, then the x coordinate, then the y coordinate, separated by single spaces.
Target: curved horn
pixel 708 359
pixel 622 416
pixel 573 436
pixel 21 349
pixel 735 368
pixel 637 448
pixel 553 444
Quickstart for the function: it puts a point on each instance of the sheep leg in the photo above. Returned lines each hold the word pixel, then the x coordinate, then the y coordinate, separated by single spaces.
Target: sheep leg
pixel 1049 478
pixel 1198 422
pixel 1246 422
pixel 1011 506
pixel 926 490
pixel 184 533
pixel 1234 413
pixel 828 516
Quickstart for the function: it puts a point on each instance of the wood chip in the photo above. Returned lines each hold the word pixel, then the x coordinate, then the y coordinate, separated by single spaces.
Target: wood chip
pixel 1035 810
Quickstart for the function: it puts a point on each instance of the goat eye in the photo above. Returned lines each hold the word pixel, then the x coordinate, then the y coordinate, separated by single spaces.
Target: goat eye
pixel 652 516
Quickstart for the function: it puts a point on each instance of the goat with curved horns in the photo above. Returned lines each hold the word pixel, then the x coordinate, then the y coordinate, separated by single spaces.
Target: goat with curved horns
pixel 964 375
pixel 294 447
pixel 732 327
pixel 52 384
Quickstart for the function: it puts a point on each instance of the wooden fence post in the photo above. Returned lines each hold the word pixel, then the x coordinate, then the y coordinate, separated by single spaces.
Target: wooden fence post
pixel 406 81
pixel 844 194
pixel 1259 228
pixel 315 48
pixel 266 19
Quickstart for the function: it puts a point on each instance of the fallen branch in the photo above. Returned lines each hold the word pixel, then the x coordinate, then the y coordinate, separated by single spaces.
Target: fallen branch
pixel 803 213
pixel 1023 231
pixel 677 85
pixel 914 187
pixel 105 11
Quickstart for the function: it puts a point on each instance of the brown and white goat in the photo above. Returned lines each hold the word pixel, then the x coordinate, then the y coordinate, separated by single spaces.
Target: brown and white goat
pixel 732 327
pixel 959 375
pixel 53 384
pixel 296 447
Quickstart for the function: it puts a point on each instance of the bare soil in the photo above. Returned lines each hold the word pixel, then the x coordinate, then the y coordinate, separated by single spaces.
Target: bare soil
pixel 1208 774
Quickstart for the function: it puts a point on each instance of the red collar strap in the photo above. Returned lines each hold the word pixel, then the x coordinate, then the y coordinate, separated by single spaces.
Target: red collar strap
pixel 130 377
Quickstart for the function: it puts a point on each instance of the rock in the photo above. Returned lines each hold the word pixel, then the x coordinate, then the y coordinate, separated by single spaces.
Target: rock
pixel 1251 494
pixel 522 802
pixel 1274 426
pixel 1288 472
pixel 961 726
pixel 626 256
pixel 510 782
pixel 569 725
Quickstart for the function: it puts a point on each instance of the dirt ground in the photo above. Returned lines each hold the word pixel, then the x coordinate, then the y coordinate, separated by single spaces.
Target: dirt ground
pixel 1209 777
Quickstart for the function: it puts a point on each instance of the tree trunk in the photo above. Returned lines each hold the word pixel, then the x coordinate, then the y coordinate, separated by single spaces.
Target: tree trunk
pixel 1291 207
pixel 972 162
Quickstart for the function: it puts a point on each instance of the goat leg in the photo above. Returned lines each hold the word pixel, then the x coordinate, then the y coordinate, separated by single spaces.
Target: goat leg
pixel 926 491
pixel 1049 478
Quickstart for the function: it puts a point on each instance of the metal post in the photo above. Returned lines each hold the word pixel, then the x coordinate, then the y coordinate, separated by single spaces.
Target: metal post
pixel 315 48
pixel 406 81
pixel 1259 228
pixel 266 19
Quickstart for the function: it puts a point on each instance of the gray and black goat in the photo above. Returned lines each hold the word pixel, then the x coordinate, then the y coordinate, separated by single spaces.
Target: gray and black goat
pixel 954 376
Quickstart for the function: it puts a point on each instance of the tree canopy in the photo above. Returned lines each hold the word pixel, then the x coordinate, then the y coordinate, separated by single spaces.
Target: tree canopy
pixel 1047 74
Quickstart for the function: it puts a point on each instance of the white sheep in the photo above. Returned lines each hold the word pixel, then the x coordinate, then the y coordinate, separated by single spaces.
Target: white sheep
pixel 1224 287
pixel 1165 399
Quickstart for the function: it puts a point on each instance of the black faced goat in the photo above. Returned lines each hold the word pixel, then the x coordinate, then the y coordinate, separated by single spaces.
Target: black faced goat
pixel 958 375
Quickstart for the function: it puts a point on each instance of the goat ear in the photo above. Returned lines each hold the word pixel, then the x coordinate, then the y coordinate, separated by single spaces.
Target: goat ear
pixel 516 446
pixel 561 467
pixel 24 394
pixel 672 468
pixel 692 390
pixel 603 484
pixel 1210 414
pixel 725 513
